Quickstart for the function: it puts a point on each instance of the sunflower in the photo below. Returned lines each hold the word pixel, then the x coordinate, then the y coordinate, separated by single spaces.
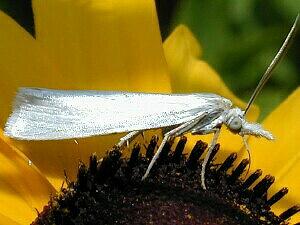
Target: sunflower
pixel 113 45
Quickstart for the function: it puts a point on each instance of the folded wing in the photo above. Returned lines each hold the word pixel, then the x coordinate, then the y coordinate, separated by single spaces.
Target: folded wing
pixel 43 114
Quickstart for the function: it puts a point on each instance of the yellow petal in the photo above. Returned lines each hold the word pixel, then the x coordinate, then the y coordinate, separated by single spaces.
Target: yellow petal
pixel 4 220
pixel 281 157
pixel 22 187
pixel 191 74
pixel 284 123
pixel 108 44
pixel 87 44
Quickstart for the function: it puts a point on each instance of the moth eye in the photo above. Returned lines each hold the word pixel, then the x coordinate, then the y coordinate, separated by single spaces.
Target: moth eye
pixel 235 124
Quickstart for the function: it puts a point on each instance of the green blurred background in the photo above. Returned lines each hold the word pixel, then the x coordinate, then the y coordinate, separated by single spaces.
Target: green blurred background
pixel 239 39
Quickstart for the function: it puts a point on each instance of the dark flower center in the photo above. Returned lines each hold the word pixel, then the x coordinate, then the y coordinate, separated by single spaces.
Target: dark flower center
pixel 110 191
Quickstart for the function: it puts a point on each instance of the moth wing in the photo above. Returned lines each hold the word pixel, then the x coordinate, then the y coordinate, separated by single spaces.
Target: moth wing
pixel 43 114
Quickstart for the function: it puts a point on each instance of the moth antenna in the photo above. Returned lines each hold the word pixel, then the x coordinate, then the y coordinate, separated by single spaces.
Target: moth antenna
pixel 280 54
pixel 245 139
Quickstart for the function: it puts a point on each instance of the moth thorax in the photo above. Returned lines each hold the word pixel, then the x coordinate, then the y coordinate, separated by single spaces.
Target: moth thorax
pixel 234 120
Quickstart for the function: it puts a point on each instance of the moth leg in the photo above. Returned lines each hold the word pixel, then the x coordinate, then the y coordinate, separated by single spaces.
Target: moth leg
pixel 205 161
pixel 165 139
pixel 173 133
pixel 245 140
pixel 128 137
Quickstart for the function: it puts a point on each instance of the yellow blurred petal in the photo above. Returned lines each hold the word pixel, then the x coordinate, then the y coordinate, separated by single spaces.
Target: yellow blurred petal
pixel 107 44
pixel 22 187
pixel 281 157
pixel 86 44
pixel 4 220
pixel 191 74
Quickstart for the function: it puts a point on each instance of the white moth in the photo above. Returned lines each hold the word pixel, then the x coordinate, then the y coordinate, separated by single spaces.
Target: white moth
pixel 44 114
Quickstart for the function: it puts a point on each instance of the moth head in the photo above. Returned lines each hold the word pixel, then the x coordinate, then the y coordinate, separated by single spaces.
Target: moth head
pixel 236 123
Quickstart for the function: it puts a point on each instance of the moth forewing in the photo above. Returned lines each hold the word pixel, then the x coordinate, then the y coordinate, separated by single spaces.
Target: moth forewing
pixel 44 114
